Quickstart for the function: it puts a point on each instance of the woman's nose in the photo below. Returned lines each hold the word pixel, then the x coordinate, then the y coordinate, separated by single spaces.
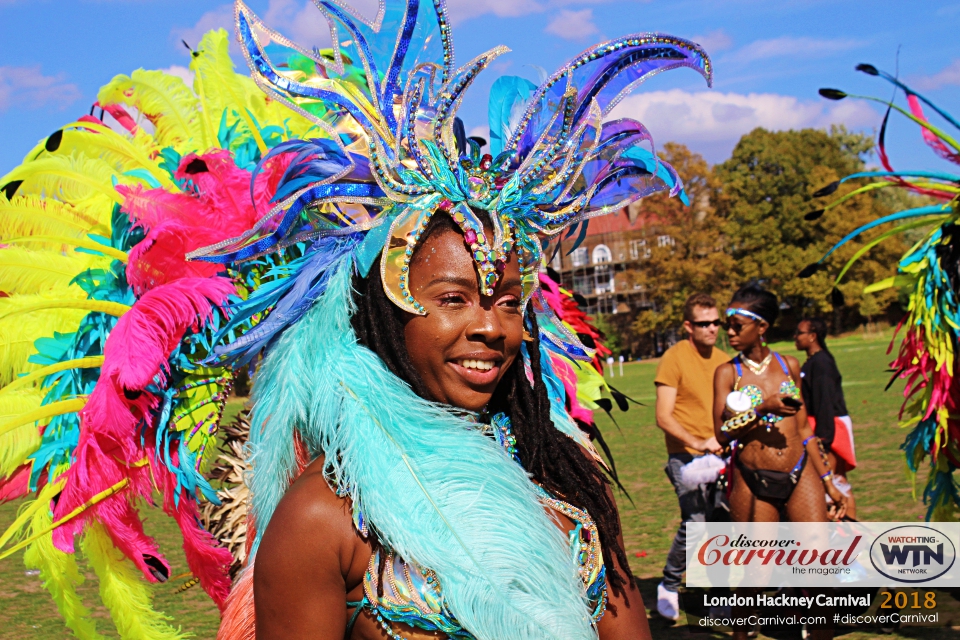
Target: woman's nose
pixel 485 324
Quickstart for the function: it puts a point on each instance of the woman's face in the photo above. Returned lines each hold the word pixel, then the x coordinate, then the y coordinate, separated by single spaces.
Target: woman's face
pixel 466 342
pixel 744 333
pixel 803 338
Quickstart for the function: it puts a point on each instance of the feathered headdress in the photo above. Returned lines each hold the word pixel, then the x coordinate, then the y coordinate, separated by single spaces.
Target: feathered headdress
pixel 392 156
pixel 927 358
pixel 283 186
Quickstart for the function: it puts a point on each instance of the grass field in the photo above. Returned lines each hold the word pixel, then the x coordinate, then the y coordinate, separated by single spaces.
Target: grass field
pixel 882 487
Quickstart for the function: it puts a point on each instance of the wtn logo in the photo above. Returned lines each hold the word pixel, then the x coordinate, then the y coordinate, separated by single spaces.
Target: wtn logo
pixel 913 553
pixel 896 554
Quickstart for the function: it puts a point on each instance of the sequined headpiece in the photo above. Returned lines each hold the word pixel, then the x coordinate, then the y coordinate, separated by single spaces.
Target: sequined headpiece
pixel 746 313
pixel 390 156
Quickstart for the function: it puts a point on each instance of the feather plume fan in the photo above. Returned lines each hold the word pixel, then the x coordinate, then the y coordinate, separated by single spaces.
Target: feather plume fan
pixel 94 228
pixel 927 355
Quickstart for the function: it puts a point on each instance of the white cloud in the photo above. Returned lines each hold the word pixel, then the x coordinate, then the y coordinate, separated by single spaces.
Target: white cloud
pixel 711 122
pixel 949 75
pixel 714 42
pixel 180 72
pixel 572 25
pixel 218 18
pixel 28 87
pixel 461 10
pixel 789 46
pixel 299 20
pixel 302 22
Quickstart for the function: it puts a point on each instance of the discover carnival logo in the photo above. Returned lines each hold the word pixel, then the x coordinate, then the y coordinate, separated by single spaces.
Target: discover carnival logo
pixel 912 554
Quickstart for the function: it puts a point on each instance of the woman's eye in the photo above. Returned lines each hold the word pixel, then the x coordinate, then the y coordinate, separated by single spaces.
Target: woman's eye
pixel 452 299
pixel 510 302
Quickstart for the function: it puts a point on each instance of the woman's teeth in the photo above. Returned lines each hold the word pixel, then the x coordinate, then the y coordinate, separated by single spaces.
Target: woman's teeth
pixel 479 365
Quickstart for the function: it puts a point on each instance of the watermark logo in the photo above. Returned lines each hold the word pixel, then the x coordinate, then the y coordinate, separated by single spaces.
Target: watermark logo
pixel 822 554
pixel 912 554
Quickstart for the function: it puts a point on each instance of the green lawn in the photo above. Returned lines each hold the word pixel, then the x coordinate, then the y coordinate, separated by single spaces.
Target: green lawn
pixel 881 483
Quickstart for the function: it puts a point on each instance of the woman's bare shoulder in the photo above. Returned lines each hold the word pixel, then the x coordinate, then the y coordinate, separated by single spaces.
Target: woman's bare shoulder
pixel 723 373
pixel 793 364
pixel 311 526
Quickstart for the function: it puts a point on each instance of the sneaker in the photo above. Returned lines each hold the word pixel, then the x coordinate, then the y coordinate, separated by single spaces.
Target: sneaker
pixel 668 603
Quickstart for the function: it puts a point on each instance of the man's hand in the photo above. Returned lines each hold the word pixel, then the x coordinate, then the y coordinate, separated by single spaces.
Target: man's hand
pixel 710 445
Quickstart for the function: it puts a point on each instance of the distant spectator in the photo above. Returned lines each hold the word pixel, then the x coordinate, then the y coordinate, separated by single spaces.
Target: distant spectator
pixel 822 387
pixel 684 411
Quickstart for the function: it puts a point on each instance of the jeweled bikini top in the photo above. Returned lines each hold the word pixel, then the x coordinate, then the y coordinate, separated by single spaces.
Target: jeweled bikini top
pixel 788 388
pixel 410 594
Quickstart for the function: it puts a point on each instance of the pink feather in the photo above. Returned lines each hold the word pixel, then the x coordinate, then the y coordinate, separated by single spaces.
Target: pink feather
pixel 16 486
pixel 120 115
pixel 219 207
pixel 138 348
pixel 208 561
pixel 159 258
pixel 113 442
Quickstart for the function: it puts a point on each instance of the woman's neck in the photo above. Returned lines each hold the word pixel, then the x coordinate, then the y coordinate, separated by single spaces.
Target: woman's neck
pixel 813 348
pixel 757 352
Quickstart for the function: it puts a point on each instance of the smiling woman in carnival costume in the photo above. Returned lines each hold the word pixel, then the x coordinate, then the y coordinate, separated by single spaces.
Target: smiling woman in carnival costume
pixel 419 445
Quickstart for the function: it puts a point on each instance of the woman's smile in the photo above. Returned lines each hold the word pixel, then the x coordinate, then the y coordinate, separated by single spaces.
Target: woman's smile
pixel 478 369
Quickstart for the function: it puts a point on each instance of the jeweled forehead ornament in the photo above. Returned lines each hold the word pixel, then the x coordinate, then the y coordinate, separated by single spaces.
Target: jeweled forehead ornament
pixel 386 157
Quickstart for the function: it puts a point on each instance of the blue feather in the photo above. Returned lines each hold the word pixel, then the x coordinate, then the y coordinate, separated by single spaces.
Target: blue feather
pixel 290 297
pixel 508 100
pixel 900 215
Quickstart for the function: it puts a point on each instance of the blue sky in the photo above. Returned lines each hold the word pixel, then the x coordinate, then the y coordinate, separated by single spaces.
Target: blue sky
pixel 770 58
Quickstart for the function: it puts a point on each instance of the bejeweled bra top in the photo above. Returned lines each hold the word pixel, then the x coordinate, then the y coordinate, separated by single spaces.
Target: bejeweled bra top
pixel 788 388
pixel 412 595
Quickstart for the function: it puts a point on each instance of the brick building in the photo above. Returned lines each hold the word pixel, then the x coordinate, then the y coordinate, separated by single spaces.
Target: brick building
pixel 602 269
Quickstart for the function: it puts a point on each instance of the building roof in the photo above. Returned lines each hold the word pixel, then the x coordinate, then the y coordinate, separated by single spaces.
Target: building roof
pixel 630 218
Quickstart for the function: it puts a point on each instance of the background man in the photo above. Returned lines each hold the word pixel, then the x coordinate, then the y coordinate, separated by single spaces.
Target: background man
pixel 684 411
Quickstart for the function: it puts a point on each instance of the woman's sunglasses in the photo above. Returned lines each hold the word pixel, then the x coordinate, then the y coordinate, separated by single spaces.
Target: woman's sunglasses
pixel 703 324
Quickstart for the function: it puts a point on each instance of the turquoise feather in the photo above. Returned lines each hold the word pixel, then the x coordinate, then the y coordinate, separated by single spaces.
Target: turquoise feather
pixel 509 97
pixel 434 489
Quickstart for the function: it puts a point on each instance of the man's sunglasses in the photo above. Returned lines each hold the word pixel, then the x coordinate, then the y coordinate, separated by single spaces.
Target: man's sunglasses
pixel 703 324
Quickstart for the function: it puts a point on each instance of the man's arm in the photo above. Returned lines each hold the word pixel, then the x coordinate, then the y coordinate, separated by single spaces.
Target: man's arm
pixel 666 401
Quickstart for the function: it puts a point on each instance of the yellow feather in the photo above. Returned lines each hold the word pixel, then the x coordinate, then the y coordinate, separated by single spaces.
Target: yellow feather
pixel 29 215
pixel 61 576
pixel 62 243
pixel 220 87
pixel 74 179
pixel 18 443
pixel 27 381
pixel 103 306
pixel 165 100
pixel 27 509
pixel 26 271
pixel 43 414
pixel 122 152
pixel 123 592
pixel 19 331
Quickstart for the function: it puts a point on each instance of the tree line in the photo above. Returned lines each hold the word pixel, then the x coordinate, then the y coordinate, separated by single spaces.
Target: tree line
pixel 754 217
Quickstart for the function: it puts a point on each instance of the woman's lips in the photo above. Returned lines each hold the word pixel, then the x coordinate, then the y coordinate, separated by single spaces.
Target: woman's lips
pixel 474 373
